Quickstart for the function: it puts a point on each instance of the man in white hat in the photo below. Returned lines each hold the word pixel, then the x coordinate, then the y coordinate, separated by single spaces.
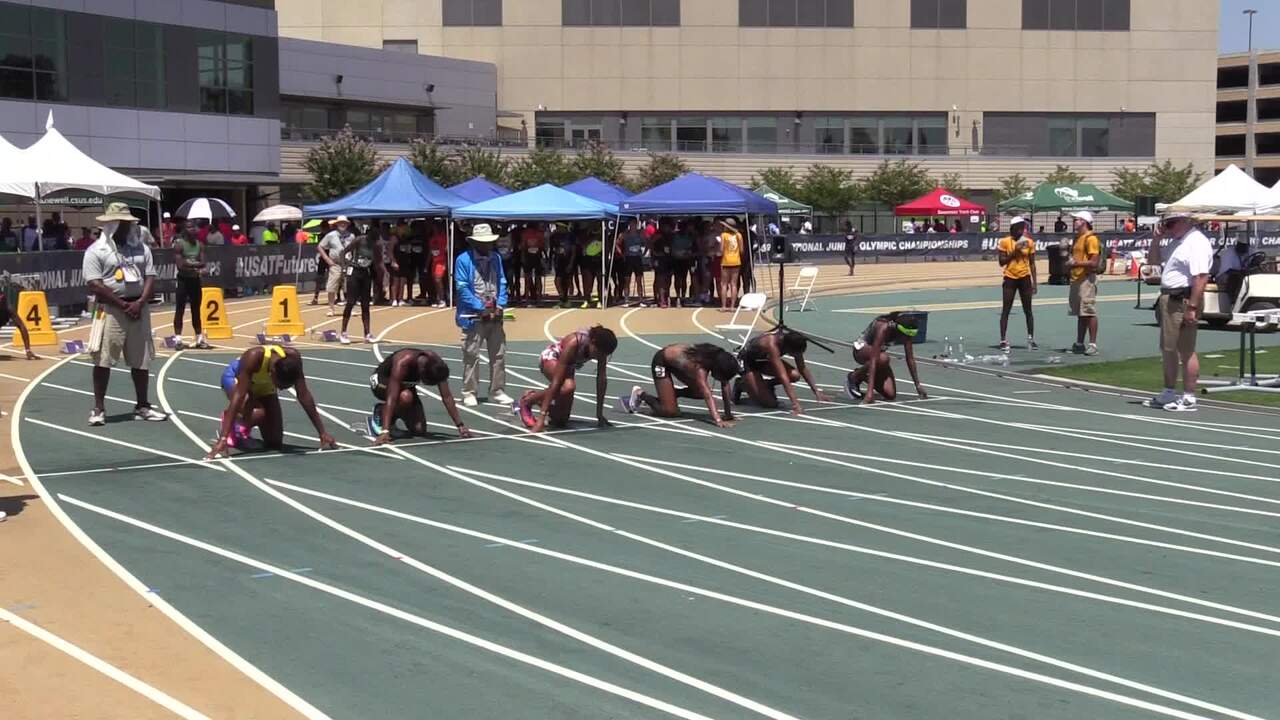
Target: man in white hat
pixel 1182 281
pixel 1083 265
pixel 480 288
pixel 121 275
pixel 330 253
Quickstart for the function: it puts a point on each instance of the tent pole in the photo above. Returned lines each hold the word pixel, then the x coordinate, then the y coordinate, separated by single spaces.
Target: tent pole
pixel 604 257
pixel 448 290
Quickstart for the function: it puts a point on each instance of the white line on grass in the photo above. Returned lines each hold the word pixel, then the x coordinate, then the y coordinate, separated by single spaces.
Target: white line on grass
pixel 473 640
pixel 782 612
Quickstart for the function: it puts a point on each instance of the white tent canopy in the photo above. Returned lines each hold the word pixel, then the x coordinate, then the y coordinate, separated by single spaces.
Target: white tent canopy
pixel 53 164
pixel 1232 190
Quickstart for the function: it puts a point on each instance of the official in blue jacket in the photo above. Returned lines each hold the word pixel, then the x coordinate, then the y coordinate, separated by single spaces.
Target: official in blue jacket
pixel 480 288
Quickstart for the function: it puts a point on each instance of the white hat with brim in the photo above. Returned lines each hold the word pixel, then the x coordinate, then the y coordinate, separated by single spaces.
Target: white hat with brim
pixel 482 233
pixel 1175 215
pixel 117 212
pixel 1084 215
pixel 1017 220
pixel 341 219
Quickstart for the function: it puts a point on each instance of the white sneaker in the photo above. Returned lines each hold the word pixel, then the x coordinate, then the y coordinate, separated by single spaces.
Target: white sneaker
pixel 1164 398
pixel 368 337
pixel 3 516
pixel 501 398
pixel 97 418
pixel 344 339
pixel 469 400
pixel 332 313
pixel 631 401
pixel 148 413
pixel 1186 403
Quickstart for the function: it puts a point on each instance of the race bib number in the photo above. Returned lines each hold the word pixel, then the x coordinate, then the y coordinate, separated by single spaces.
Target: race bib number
pixel 435 253
pixel 417 250
pixel 351 270
pixel 859 344
pixel 659 371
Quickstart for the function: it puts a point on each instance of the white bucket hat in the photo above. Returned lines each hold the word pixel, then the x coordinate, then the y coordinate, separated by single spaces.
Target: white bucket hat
pixel 482 233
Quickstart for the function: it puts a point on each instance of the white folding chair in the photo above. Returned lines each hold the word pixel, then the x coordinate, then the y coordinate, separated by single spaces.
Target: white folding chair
pixel 802 288
pixel 751 304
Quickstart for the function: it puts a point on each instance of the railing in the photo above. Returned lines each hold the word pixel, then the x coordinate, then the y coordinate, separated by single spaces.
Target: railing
pixel 401 138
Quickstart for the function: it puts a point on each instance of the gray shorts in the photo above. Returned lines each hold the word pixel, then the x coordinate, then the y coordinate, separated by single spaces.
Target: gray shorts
pixel 126 339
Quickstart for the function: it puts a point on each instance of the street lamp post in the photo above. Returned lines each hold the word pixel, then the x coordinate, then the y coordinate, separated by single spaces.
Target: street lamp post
pixel 1251 105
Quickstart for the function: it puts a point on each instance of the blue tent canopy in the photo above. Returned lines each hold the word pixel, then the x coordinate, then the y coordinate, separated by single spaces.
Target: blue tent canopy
pixel 479 189
pixel 400 191
pixel 544 202
pixel 695 194
pixel 597 189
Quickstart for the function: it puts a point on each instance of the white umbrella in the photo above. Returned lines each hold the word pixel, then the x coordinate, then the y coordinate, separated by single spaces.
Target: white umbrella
pixel 205 208
pixel 279 213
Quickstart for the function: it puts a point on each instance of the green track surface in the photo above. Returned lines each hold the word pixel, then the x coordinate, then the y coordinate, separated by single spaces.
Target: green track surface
pixel 1058 522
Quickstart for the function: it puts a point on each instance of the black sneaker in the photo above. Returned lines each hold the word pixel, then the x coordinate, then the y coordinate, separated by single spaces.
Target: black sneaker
pixel 1077 348
pixel 853 390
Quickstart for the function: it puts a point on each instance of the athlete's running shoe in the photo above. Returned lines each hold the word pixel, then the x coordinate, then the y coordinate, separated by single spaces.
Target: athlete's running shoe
pixel 853 389
pixel 631 401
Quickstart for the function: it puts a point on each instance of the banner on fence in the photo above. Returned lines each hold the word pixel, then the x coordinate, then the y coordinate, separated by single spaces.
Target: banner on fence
pixel 231 267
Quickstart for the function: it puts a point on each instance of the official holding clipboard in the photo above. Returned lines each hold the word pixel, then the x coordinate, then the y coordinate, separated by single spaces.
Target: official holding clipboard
pixel 121 275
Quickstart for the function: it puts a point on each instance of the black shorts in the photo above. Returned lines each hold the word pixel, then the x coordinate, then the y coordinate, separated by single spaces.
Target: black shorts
pixel 662 265
pixel 682 265
pixel 1020 285
pixel 564 268
pixel 633 264
pixel 658 367
pixel 359 285
pixel 379 390
pixel 404 262
pixel 187 292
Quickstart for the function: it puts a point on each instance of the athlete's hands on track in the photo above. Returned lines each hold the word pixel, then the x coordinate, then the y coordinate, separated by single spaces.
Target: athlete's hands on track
pixel 382 439
pixel 218 450
pixel 465 432
pixel 327 442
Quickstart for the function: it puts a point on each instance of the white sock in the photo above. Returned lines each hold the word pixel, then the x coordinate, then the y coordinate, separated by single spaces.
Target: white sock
pixel 1189 397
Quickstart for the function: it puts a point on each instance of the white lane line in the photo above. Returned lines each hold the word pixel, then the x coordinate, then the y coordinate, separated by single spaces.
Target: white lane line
pixel 19 378
pixel 497 541
pixel 379 337
pixel 150 692
pixel 546 326
pixel 568 631
pixel 909 559
pixel 1031 392
pixel 702 327
pixel 990 516
pixel 153 599
pixel 385 609
pixel 121 443
pixel 12 479
pixel 622 322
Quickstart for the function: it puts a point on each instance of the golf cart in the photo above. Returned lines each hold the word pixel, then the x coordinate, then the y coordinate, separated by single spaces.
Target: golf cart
pixel 1259 290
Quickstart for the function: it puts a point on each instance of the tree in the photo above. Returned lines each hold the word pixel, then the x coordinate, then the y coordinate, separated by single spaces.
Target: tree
pixel 894 183
pixel 340 165
pixel 828 189
pixel 662 168
pixel 783 180
pixel 1064 175
pixel 598 161
pixel 541 165
pixel 953 182
pixel 475 161
pixel 1011 187
pixel 1168 183
pixel 433 161
pixel 1128 184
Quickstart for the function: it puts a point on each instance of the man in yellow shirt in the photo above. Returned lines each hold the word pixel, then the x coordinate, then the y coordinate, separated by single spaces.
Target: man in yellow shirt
pixel 1083 265
pixel 1018 258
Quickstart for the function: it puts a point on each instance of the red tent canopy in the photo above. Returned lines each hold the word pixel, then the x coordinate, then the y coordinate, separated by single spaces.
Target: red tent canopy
pixel 939 202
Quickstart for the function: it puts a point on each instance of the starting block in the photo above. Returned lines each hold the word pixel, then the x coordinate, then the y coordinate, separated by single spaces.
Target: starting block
pixel 171 342
pixel 327 336
pixel 74 347
pixel 265 339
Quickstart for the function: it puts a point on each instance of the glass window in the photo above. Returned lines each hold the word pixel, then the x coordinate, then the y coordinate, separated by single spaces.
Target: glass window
pixel 753 13
pixel 655 134
pixel 666 13
pixel 409 47
pixel 550 133
pixel 762 134
pixel 1088 14
pixel 1115 15
pixel 472 12
pixel 637 13
pixel 931 136
pixel 782 13
pixel 225 63
pixel 575 12
pixel 691 134
pixel 924 13
pixel 953 14
pixel 726 134
pixel 897 136
pixel 606 12
pixel 1062 14
pixel 839 13
pixel 1035 14
pixel 828 135
pixel 864 136
pixel 1095 137
pixel 1062 137
pixel 811 13
pixel 33 53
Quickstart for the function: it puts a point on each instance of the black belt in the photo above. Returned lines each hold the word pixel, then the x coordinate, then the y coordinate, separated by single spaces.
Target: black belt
pixel 1181 293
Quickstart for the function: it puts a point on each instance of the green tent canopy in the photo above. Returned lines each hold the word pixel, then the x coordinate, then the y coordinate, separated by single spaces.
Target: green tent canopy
pixel 1052 197
pixel 786 206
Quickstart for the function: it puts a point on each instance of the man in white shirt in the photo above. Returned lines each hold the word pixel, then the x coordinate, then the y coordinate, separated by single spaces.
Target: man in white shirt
pixel 330 253
pixel 1182 281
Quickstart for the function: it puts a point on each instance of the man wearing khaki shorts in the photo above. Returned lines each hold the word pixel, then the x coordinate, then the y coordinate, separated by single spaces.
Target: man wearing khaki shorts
pixel 330 253
pixel 120 274
pixel 1083 265
pixel 1182 281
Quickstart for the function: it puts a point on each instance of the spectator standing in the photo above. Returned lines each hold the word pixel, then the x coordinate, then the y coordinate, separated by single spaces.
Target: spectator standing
pixel 806 228
pixel 1083 265
pixel 480 286
pixel 255 234
pixel 1018 258
pixel 270 236
pixel 85 240
pixel 682 245
pixel 330 252
pixel 203 228
pixel 167 231
pixel 730 263
pixel 660 253
pixel 359 258
pixel 1130 224
pixel 1182 281
pixel 55 233
pixel 438 263
pixel 119 271
pixel 8 238
pixel 1060 225
pixel 301 237
pixel 237 236
pixel 958 227
pixel 633 243
pixel 850 246
pixel 190 261
pixel 215 236
pixel 30 236
pixel 713 251
pixel 533 241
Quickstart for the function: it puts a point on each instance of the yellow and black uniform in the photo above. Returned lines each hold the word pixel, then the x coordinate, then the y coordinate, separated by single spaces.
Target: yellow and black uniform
pixel 1019 281
pixel 1020 258
pixel 260 383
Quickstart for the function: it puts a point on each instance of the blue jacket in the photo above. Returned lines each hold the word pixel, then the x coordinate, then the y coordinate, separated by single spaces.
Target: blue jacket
pixel 469 303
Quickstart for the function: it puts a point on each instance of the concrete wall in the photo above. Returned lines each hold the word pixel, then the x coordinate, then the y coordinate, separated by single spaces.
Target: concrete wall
pixel 1165 65
pixel 465 92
